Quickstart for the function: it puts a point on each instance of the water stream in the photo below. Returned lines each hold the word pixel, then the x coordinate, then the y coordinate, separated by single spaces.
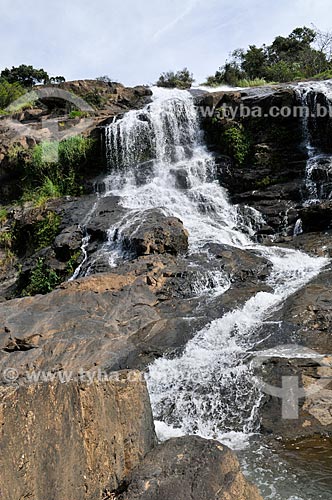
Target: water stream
pixel 158 159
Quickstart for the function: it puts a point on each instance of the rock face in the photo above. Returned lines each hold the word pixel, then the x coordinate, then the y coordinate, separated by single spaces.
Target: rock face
pixel 72 440
pixel 189 468
pixel 304 320
pixel 266 161
pixel 156 233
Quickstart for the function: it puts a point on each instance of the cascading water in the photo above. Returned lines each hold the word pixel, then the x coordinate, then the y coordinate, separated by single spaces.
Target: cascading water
pixel 158 159
pixel 318 177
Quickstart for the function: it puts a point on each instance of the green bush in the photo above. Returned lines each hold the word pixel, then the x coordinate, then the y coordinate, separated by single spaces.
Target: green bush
pixel 9 92
pixel 76 113
pixel 182 79
pixel 95 99
pixel 3 215
pixel 42 279
pixel 46 230
pixel 235 143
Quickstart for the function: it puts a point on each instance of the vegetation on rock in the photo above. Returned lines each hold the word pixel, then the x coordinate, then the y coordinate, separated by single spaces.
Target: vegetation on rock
pixel 182 79
pixel 52 169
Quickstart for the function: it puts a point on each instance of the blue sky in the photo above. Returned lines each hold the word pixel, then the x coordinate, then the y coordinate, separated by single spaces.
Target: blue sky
pixel 133 41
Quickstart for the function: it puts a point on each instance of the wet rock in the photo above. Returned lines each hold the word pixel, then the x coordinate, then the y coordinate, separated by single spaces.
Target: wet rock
pixel 181 178
pixel 127 318
pixel 317 217
pixel 75 439
pixel 241 265
pixel 318 243
pixel 107 213
pixel 155 233
pixel 305 320
pixel 68 242
pixel 190 468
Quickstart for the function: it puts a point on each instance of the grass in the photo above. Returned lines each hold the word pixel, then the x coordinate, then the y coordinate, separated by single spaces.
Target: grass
pixel 77 114
pixel 52 169
pixel 256 82
pixel 326 75
pixel 3 215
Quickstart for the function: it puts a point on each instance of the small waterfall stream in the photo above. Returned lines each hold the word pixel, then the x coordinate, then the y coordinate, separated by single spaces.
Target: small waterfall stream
pixel 319 165
pixel 157 159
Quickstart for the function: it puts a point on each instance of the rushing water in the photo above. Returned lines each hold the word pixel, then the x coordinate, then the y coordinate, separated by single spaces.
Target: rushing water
pixel 318 177
pixel 157 159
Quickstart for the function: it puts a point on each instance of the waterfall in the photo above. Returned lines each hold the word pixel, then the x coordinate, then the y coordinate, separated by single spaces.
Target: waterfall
pixel 157 159
pixel 318 173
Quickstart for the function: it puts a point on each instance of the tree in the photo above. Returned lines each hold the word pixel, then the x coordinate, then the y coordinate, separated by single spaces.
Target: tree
pixel 323 42
pixel 57 79
pixel 182 79
pixel 104 78
pixel 254 61
pixel 304 53
pixel 25 75
pixel 289 48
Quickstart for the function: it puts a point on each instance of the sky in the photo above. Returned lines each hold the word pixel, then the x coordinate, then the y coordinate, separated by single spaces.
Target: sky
pixel 134 41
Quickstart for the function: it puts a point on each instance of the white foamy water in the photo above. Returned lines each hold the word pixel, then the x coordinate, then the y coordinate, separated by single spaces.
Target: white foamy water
pixel 318 163
pixel 157 159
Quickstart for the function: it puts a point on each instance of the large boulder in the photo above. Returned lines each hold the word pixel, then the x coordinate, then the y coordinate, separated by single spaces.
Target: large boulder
pixel 190 468
pixel 155 233
pixel 74 440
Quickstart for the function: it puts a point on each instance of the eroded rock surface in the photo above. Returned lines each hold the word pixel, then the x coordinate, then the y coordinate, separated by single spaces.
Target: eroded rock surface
pixel 72 440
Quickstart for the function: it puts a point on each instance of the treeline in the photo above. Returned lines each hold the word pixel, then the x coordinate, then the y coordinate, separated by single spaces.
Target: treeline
pixel 305 53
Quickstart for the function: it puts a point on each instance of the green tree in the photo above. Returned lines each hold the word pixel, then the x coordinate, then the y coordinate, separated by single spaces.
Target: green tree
pixel 25 75
pixel 254 61
pixel 182 79
pixel 57 79
pixel 303 54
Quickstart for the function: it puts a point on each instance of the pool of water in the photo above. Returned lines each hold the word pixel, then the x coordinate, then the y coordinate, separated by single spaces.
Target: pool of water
pixel 297 470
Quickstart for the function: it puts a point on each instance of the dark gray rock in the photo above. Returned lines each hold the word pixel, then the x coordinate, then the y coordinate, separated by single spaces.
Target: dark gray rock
pixel 153 233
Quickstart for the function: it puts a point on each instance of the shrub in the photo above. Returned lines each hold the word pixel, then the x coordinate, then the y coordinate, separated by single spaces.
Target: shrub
pixel 76 113
pixel 3 215
pixel 236 143
pixel 182 79
pixel 104 79
pixel 46 230
pixel 42 279
pixel 95 99
pixel 9 92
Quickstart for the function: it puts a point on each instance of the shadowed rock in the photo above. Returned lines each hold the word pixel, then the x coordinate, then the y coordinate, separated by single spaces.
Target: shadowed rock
pixel 190 468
